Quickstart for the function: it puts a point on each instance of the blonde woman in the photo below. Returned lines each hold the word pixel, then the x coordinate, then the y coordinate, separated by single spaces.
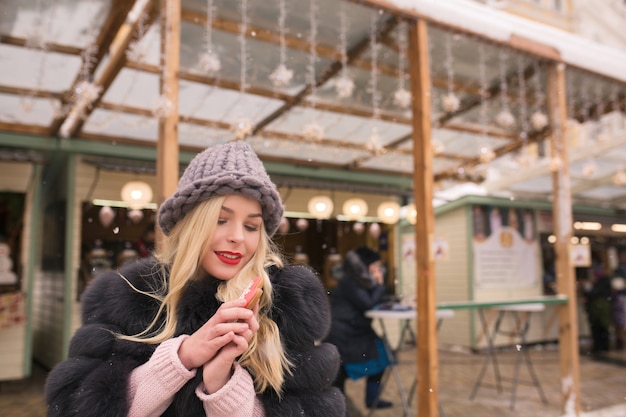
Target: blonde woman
pixel 171 336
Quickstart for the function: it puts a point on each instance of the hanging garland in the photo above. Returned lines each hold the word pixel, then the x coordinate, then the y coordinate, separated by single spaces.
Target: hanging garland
pixel 344 84
pixel 402 97
pixel 373 143
pixel 210 62
pixel 313 131
pixel 539 120
pixel 486 154
pixel 450 102
pixel 282 76
pixel 504 118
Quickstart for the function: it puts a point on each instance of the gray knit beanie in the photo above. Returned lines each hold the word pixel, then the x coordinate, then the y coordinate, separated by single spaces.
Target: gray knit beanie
pixel 229 168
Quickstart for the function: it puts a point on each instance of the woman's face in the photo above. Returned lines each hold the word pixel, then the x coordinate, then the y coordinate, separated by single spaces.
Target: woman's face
pixel 236 237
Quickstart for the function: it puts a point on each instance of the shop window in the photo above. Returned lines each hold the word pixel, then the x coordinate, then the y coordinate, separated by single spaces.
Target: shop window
pixel 11 226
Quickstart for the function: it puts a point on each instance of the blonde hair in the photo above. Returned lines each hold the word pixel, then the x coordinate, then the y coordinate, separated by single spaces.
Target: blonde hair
pixel 265 358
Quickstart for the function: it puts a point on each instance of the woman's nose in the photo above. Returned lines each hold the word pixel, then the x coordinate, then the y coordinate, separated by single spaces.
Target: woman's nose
pixel 236 234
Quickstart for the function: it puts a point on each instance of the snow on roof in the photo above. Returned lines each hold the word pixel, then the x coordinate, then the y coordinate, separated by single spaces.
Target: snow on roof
pixel 501 26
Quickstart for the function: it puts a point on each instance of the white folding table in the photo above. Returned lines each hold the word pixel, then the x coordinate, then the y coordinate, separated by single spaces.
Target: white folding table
pixel 405 316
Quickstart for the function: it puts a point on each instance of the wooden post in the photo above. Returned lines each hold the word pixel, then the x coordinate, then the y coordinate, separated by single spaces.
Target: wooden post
pixel 167 163
pixel 562 219
pixel 427 360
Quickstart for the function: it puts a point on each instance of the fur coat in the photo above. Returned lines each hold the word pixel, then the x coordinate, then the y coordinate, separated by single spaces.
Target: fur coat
pixel 93 380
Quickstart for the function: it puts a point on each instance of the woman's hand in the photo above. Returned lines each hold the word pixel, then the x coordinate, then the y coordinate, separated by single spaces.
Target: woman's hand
pixel 232 324
pixel 217 371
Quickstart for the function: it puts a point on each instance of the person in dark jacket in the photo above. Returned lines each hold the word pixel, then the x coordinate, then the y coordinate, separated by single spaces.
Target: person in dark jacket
pixel 359 289
pixel 170 335
pixel 597 299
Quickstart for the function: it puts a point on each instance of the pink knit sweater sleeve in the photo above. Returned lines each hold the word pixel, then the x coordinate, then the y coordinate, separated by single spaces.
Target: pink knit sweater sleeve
pixel 152 387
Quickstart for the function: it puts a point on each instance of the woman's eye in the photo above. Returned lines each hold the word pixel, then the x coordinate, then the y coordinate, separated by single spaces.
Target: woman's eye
pixel 221 221
pixel 252 228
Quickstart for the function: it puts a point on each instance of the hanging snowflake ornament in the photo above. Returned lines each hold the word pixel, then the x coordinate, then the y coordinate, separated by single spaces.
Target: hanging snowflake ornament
pixel 539 120
pixel 486 154
pixel 36 38
pixel 505 119
pixel 523 160
pixel 344 86
pixel 59 109
pixel 589 169
pixel 555 164
pixel 162 107
pixel 402 98
pixel 437 147
pixel 602 137
pixel 620 177
pixel 87 92
pixel 281 76
pixel 243 128
pixel 450 102
pixel 135 215
pixel 137 51
pixel 313 132
pixel 373 144
pixel 210 63
pixel 27 104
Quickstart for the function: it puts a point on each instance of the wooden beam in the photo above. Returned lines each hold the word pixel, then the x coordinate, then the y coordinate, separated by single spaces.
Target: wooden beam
pixel 535 48
pixel 562 218
pixel 427 357
pixel 50 47
pixel 292 42
pixel 168 152
pixel 356 51
pixel 21 128
pixel 125 19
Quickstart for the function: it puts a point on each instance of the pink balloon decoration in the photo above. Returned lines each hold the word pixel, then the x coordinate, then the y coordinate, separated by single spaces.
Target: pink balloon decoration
pixel 106 216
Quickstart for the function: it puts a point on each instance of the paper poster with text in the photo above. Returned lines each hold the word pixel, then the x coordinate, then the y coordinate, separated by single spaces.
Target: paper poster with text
pixel 505 247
